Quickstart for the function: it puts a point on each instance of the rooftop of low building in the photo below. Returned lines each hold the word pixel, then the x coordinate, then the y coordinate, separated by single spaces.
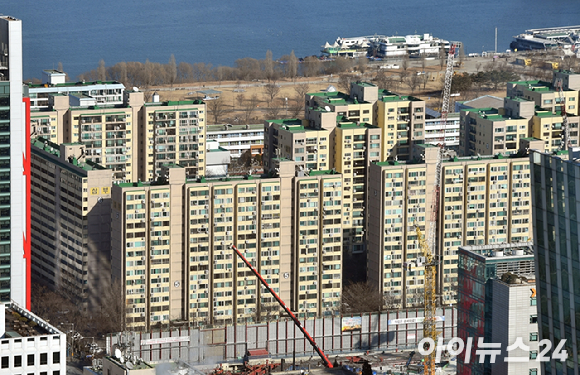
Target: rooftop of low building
pixel 233 127
pixel 54 149
pixel 20 322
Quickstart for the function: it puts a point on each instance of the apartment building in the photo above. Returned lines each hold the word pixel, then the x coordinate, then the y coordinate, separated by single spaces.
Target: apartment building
pixel 402 122
pixel 531 109
pixel 555 207
pixel 71 230
pixel 487 131
pixel 54 82
pixel 485 308
pixel 547 95
pixel 514 315
pixel 171 243
pixel 238 138
pixel 347 148
pixel 15 174
pixel 172 132
pixel 483 200
pixel 132 138
pixel 437 132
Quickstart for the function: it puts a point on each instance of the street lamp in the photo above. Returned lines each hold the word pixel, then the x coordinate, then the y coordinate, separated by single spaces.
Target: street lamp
pixel 69 342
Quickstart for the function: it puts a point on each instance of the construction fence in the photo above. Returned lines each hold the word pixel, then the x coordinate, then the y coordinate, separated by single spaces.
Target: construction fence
pixel 394 330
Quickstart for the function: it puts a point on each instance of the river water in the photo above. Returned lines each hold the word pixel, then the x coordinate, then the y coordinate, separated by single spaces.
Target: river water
pixel 79 33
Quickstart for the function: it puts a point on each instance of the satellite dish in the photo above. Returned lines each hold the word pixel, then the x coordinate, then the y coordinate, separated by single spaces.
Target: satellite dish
pixel 129 365
pixel 136 89
pixel 122 359
pixel 118 353
pixel 327 108
pixel 331 88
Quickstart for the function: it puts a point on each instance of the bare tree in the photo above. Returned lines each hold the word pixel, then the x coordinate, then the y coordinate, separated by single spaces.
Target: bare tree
pixel 297 106
pixel 413 81
pixel 172 70
pixel 271 91
pixel 405 63
pixel 403 74
pixel 102 71
pixel 311 66
pixel 301 90
pixel 292 65
pixel 273 112
pixel 442 55
pixel 217 108
pixel 249 108
pixel 184 72
pixel 344 81
pixel 269 66
pixel 360 298
pixel 240 100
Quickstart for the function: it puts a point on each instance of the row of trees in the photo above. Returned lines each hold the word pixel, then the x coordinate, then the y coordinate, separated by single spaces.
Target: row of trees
pixel 148 74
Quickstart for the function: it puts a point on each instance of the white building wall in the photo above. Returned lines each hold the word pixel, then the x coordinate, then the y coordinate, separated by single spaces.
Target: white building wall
pixel 17 151
pixel 511 314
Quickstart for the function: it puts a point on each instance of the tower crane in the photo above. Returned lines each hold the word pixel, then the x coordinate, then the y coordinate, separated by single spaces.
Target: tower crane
pixel 427 248
pixel 323 356
pixel 565 143
pixel 428 245
pixel 447 88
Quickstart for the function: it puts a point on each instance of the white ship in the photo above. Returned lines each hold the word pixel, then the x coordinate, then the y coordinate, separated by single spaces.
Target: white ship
pixel 566 38
pixel 387 46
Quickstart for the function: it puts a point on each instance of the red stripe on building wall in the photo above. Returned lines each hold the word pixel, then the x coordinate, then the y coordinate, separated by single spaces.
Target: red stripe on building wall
pixel 26 172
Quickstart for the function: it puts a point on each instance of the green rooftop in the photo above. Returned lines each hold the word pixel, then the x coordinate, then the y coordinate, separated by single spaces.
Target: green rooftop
pixel 388 96
pixel 41 143
pixel 336 98
pixel 320 173
pixel 287 121
pixel 174 103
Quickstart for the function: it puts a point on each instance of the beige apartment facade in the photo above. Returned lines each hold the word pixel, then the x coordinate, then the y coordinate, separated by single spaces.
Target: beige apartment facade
pixel 71 230
pixel 132 138
pixel 483 200
pixel 171 245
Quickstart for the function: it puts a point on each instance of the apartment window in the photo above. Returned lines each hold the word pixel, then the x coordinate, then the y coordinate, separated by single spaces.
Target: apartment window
pixel 43 358
pixel 533 371
pixel 533 301
pixel 56 372
pixel 533 336
pixel 56 357
pixel 30 361
pixel 533 319
pixel 4 362
pixel 17 361
pixel 533 354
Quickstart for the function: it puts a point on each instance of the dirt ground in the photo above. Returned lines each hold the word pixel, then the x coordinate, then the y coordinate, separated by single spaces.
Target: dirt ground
pixel 285 99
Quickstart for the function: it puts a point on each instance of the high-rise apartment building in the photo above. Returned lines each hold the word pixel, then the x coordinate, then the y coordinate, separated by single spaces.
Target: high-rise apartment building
pixel 555 183
pixel 530 109
pixel 15 169
pixel 128 136
pixel 482 299
pixel 171 243
pixel 71 206
pixel 483 200
pixel 402 123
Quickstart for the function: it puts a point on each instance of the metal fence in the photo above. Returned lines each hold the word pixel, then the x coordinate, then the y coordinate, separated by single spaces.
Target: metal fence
pixel 399 329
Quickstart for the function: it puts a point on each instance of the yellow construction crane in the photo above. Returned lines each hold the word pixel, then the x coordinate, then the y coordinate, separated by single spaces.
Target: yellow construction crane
pixel 427 246
pixel 429 325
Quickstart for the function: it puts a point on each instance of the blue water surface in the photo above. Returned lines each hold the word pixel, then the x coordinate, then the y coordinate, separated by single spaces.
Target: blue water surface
pixel 79 33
